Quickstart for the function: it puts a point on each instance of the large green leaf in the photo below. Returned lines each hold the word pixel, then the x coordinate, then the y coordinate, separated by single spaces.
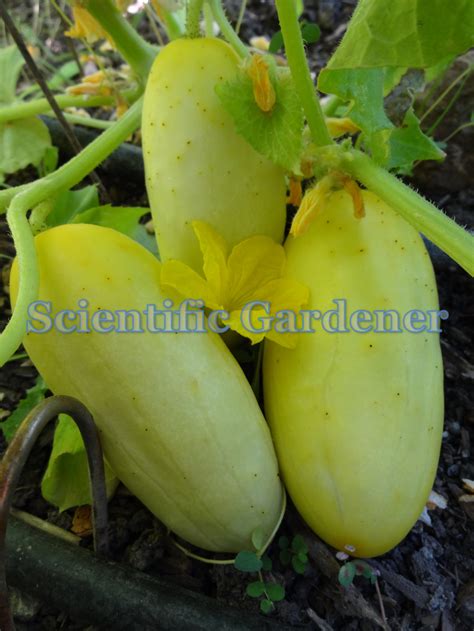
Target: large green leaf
pixel 66 481
pixel 11 63
pixel 22 142
pixel 405 33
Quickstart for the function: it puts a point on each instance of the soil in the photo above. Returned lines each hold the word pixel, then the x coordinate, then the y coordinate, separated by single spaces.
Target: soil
pixel 425 583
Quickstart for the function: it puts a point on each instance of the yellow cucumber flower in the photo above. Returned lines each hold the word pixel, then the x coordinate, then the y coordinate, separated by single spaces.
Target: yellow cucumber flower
pixel 85 25
pixel 263 90
pixel 315 200
pixel 251 273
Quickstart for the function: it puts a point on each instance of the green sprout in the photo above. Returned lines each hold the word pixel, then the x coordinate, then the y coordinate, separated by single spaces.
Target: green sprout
pixel 295 553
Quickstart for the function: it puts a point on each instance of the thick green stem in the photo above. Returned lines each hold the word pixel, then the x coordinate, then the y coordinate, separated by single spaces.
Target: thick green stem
pixel 296 56
pixel 62 179
pixel 138 53
pixel 193 18
pixel 227 30
pixel 418 211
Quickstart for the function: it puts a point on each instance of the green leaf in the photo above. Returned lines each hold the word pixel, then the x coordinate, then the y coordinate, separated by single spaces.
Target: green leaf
pixel 247 561
pixel 266 606
pixel 267 563
pixel 67 71
pixel 276 134
pixel 121 218
pixel 408 144
pixel 66 480
pixel 258 538
pixel 364 89
pixel 310 32
pixel 347 574
pixel 33 396
pixel 70 203
pixel 256 589
pixel 285 556
pixel 298 544
pixel 406 33
pixel 275 592
pixel 362 568
pixel 298 565
pixel 141 236
pixel 11 63
pixel 276 42
pixel 299 7
pixel 22 142
pixel 49 162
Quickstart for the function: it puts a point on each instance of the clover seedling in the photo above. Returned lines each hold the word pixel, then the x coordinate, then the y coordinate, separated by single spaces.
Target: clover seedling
pixel 295 553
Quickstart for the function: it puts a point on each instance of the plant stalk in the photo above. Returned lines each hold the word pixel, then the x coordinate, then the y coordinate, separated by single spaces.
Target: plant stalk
pixel 418 211
pixel 193 18
pixel 62 179
pixel 227 30
pixel 297 61
pixel 138 53
pixel 41 106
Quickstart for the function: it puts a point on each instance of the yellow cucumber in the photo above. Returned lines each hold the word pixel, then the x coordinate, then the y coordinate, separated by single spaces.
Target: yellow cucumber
pixel 197 166
pixel 357 417
pixel 179 423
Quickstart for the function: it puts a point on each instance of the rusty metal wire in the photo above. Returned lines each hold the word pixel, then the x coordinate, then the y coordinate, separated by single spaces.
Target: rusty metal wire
pixel 14 460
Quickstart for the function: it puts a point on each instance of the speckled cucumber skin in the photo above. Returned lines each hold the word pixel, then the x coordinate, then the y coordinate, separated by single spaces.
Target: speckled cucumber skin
pixel 179 423
pixel 357 418
pixel 196 165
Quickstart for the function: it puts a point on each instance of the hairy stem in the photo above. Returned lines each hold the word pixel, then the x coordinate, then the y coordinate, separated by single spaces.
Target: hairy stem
pixel 62 179
pixel 193 18
pixel 227 30
pixel 296 56
pixel 424 216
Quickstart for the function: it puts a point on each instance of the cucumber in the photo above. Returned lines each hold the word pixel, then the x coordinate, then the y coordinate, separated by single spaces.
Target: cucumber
pixel 179 423
pixel 196 165
pixel 357 418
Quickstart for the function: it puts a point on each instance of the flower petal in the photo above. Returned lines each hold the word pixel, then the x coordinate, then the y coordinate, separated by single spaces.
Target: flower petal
pixel 214 254
pixel 252 264
pixel 282 294
pixel 178 276
pixel 257 320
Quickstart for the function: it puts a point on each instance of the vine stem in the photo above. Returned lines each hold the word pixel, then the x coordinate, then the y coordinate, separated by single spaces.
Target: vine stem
pixel 41 106
pixel 296 56
pixel 62 179
pixel 138 53
pixel 193 18
pixel 227 30
pixel 418 211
